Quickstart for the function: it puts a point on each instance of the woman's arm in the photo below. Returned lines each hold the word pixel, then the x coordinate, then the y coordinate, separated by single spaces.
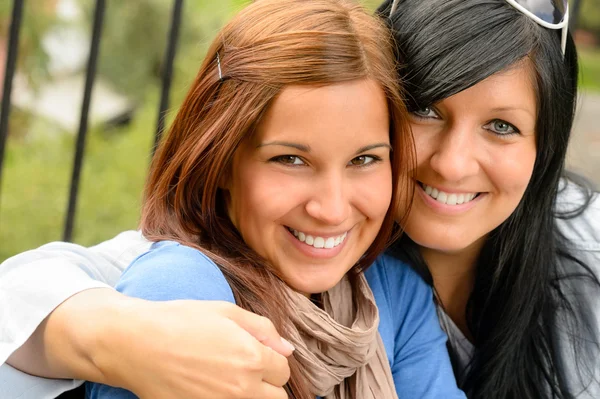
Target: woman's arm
pixel 36 282
pixel 174 272
pixel 53 324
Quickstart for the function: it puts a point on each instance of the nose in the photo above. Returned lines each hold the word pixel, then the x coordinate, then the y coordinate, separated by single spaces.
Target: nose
pixel 455 155
pixel 330 203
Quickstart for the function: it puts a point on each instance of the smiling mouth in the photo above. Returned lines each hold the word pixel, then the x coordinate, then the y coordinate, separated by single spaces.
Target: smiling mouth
pixel 448 198
pixel 317 241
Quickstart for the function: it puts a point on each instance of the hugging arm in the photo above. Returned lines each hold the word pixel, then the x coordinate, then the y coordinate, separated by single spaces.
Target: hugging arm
pixel 172 272
pixel 60 275
pixel 61 318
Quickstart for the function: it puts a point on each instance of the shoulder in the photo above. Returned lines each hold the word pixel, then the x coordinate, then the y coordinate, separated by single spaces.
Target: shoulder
pixel 578 222
pixel 409 327
pixel 169 271
pixel 395 277
pixel 399 291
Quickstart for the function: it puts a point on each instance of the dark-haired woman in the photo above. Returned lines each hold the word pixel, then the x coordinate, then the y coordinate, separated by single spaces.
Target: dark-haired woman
pixel 510 242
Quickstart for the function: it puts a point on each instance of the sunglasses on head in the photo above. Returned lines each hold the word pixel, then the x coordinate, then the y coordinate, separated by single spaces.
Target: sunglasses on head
pixel 551 14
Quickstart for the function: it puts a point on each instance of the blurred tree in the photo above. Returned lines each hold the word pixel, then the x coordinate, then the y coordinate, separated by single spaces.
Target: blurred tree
pixel 589 17
pixel 135 36
pixel 38 18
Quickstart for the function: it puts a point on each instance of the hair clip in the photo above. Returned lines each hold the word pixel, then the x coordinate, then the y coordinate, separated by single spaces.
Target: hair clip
pixel 219 66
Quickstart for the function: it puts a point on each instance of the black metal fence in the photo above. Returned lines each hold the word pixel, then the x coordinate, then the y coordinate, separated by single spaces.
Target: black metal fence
pixel 98 20
pixel 167 71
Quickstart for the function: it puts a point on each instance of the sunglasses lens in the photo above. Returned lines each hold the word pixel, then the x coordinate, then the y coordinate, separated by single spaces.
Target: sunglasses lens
pixel 551 11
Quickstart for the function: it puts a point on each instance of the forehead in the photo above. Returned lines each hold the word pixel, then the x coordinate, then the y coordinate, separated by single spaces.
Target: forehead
pixel 510 89
pixel 349 110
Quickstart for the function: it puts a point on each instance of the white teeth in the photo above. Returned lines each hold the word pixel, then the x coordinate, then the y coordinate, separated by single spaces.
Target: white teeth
pixel 329 243
pixel 446 198
pixel 442 197
pixel 319 242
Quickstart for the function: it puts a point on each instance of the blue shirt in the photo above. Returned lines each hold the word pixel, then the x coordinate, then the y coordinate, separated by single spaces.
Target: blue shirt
pixel 409 327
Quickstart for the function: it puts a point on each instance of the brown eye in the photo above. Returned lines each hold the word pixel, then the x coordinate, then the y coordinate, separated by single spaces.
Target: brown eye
pixel 363 160
pixel 288 160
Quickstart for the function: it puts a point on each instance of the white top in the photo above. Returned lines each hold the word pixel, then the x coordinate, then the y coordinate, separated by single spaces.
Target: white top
pixel 34 283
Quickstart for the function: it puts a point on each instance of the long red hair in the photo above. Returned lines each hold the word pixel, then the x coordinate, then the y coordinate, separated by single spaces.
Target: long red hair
pixel 270 44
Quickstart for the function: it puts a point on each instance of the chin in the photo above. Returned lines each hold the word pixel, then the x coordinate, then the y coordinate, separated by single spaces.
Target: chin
pixel 312 285
pixel 444 244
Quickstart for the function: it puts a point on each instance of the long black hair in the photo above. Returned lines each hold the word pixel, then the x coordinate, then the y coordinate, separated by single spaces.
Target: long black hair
pixel 523 306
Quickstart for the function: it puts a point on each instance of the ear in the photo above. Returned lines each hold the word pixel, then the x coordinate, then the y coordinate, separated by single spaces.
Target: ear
pixel 224 188
pixel 225 180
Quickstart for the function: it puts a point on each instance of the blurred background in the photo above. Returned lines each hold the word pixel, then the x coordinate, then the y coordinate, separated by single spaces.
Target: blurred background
pixel 47 92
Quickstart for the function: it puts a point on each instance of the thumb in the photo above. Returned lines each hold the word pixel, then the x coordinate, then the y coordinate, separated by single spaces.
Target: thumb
pixel 262 329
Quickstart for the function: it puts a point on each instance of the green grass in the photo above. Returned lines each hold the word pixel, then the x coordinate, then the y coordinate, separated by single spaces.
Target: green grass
pixel 589 77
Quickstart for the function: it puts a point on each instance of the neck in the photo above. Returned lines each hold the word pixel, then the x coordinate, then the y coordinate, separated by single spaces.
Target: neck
pixel 453 278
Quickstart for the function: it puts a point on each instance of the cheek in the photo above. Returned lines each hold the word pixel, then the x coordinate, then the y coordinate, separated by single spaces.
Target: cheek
pixel 372 195
pixel 425 138
pixel 257 200
pixel 511 169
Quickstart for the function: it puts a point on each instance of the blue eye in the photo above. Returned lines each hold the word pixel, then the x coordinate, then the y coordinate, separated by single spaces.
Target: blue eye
pixel 426 112
pixel 288 160
pixel 501 127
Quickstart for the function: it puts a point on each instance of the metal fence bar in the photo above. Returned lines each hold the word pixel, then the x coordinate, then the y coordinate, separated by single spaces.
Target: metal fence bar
pixel 9 72
pixel 83 121
pixel 168 70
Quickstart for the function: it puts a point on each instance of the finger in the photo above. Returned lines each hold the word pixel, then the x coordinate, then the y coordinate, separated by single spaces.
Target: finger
pixel 276 368
pixel 268 391
pixel 262 329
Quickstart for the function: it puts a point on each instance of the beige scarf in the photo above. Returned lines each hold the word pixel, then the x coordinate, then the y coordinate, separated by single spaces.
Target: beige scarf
pixel 339 348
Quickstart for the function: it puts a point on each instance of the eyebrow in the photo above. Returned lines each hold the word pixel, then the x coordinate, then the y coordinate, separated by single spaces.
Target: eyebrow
pixel 500 109
pixel 306 148
pixel 373 146
pixel 300 147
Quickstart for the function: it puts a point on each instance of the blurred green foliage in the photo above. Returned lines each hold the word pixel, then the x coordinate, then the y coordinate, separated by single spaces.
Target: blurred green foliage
pixel 37 20
pixel 589 72
pixel 589 17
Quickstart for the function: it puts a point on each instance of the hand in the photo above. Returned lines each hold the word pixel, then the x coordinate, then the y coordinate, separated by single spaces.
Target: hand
pixel 195 349
pixel 177 349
